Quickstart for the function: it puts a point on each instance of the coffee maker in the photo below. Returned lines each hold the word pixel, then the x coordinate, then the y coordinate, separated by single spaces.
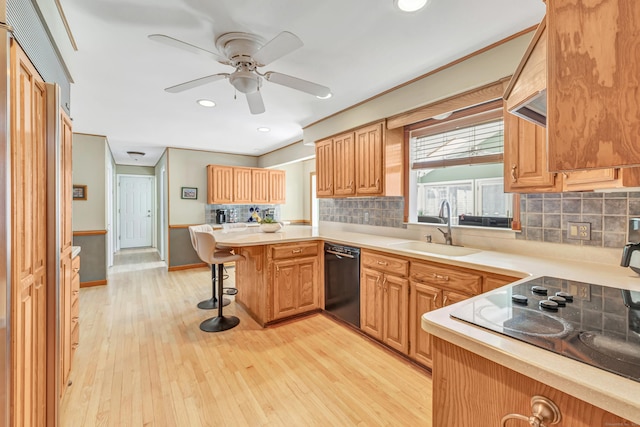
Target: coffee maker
pixel 221 216
pixel 631 252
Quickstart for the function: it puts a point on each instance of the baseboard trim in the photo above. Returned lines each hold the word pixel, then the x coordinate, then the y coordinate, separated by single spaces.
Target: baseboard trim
pixel 93 283
pixel 187 266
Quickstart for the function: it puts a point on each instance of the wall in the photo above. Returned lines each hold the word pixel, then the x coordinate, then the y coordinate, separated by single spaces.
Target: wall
pixel 89 169
pixel 479 70
pixel 135 170
pixel 90 156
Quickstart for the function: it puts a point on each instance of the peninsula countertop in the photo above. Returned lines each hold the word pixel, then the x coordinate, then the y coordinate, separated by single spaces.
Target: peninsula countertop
pixel 598 387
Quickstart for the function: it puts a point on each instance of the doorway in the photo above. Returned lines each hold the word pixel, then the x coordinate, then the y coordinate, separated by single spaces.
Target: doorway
pixel 135 211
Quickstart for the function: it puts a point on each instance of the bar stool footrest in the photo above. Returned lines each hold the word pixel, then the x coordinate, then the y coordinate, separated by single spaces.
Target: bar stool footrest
pixel 211 303
pixel 230 291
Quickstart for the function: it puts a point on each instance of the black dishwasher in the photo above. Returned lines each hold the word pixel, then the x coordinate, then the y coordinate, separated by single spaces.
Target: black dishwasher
pixel 342 282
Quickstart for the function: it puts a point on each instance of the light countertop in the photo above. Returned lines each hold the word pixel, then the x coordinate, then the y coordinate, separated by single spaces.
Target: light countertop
pixel 596 386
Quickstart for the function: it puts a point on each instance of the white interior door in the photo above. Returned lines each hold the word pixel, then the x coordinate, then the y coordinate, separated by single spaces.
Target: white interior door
pixel 136 211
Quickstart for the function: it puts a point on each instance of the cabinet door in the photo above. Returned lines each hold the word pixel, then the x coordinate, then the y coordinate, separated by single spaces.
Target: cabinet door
pixel 242 185
pixel 307 292
pixel 396 313
pixel 525 158
pixel 295 287
pixel 260 186
pixel 285 283
pixel 220 184
pixel 449 297
pixel 371 302
pixel 28 243
pixel 423 299
pixel 277 186
pixel 593 107
pixel 324 168
pixel 65 321
pixel 370 160
pixel 343 165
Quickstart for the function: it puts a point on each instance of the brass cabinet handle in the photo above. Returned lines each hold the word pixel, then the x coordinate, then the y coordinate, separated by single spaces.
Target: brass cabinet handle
pixel 377 182
pixel 296 251
pixel 382 262
pixel 544 413
pixel 444 301
pixel 75 270
pixel 351 185
pixel 435 300
pixel 440 277
pixel 514 175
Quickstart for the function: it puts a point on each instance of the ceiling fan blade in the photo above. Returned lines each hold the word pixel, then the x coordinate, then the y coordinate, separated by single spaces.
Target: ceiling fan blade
pixel 298 84
pixel 197 82
pixel 170 41
pixel 280 45
pixel 254 99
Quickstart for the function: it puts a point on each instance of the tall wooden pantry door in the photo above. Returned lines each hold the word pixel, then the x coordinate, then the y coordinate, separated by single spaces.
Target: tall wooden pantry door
pixel 28 242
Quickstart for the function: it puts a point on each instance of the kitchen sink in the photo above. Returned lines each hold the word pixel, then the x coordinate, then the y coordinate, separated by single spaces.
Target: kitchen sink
pixel 434 248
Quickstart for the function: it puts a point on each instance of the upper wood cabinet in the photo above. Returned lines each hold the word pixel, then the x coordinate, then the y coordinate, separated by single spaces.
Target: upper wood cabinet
pixel 260 186
pixel 525 158
pixel 367 161
pixel 219 184
pixel 229 185
pixel 344 174
pixel 277 186
pixel 593 109
pixel 324 168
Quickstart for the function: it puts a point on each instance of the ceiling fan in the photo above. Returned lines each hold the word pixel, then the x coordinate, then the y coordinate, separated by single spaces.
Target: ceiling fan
pixel 246 52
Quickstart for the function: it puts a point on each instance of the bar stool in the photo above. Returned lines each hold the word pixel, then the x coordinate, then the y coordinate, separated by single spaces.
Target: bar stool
pixel 212 302
pixel 209 253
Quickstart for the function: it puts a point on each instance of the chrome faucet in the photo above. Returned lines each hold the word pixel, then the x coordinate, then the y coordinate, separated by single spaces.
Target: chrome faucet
pixel 447 234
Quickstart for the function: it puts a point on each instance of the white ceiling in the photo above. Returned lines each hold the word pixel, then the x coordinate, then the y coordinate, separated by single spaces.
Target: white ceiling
pixel 358 48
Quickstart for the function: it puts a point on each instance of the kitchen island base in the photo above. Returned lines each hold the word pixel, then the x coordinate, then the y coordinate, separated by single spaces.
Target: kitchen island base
pixel 471 390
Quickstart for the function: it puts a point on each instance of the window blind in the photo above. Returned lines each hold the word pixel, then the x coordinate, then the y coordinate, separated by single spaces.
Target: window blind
pixel 449 145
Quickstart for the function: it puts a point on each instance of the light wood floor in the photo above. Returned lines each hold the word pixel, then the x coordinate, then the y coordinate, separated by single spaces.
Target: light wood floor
pixel 143 361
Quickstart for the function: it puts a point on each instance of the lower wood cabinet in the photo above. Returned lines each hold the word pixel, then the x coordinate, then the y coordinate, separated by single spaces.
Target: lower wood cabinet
pixel 294 286
pixel 384 299
pixel 469 390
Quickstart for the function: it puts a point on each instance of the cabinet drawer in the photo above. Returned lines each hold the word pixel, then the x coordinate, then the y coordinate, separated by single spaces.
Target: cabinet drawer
pixel 444 277
pixel 385 263
pixel 294 250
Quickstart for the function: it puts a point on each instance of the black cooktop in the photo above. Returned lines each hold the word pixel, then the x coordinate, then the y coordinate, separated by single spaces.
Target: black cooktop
pixel 594 324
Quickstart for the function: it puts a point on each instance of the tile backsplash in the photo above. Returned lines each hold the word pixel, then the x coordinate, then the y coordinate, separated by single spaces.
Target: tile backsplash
pixel 379 211
pixel 242 212
pixel 544 217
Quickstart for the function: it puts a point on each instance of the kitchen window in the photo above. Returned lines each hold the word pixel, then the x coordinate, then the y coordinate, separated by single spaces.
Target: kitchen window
pixel 459 159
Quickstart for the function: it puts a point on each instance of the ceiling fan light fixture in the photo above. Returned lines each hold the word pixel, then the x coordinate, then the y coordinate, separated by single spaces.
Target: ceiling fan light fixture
pixel 244 81
pixel 136 155
pixel 410 5
pixel 206 103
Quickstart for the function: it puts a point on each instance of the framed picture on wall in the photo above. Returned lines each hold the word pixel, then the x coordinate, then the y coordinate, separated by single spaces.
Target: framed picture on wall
pixel 79 192
pixel 189 193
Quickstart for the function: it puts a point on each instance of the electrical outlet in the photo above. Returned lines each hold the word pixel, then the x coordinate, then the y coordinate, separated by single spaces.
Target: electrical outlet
pixel 366 217
pixel 579 230
pixel 580 290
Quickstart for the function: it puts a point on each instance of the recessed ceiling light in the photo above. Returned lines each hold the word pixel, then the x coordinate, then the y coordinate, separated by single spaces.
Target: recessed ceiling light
pixel 327 96
pixel 206 103
pixel 410 5
pixel 263 129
